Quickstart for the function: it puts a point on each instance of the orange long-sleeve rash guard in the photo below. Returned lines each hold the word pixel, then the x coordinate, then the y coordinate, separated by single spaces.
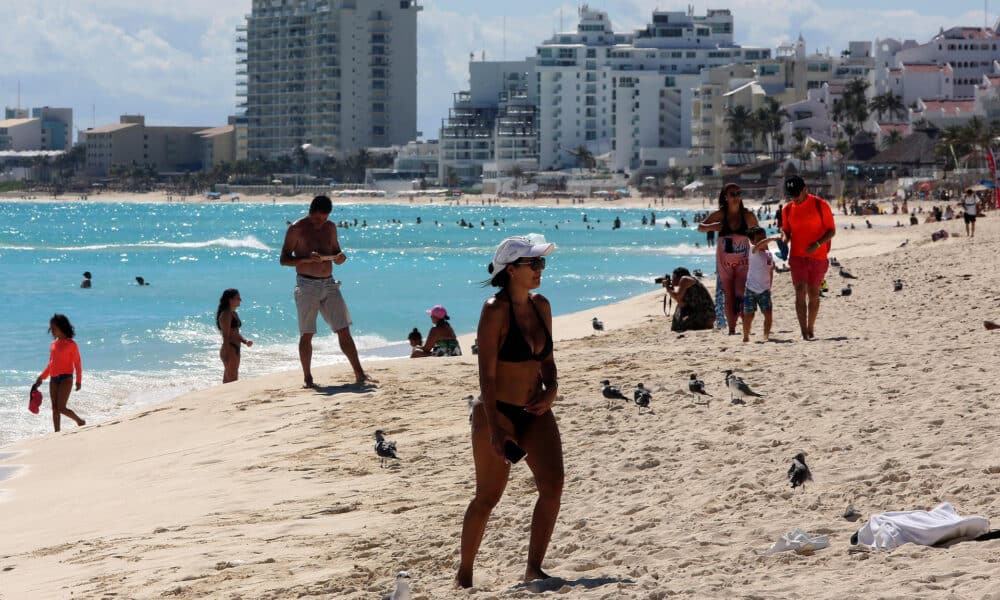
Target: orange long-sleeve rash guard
pixel 64 358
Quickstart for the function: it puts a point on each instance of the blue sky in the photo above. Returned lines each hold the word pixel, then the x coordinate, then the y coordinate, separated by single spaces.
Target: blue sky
pixel 175 61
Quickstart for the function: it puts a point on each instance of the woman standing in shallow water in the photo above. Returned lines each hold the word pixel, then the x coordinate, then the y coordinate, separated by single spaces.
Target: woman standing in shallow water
pixel 518 384
pixel 229 325
pixel 64 358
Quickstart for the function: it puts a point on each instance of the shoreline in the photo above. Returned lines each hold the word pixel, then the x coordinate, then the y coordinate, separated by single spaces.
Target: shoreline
pixel 626 313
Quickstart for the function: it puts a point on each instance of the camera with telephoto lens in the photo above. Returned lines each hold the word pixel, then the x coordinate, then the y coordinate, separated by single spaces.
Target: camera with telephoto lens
pixel 666 280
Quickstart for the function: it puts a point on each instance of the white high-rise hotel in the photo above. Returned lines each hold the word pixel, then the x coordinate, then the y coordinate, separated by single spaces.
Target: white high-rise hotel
pixel 629 93
pixel 338 74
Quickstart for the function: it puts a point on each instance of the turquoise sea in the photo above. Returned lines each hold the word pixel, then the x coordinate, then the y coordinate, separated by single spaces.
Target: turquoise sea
pixel 147 344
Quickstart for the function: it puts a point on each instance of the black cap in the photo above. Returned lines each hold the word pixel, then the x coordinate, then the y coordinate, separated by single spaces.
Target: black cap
pixel 794 186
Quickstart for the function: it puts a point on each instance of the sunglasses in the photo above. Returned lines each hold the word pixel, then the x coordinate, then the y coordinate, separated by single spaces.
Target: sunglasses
pixel 536 264
pixel 736 194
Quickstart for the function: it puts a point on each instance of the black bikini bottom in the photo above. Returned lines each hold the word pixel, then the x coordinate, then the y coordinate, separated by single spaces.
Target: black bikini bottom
pixel 519 417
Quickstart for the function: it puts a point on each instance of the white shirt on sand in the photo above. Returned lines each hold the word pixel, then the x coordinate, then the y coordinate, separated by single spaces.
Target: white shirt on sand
pixel 759 273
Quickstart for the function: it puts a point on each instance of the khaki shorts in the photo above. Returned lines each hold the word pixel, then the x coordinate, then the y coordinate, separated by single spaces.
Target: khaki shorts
pixel 322 296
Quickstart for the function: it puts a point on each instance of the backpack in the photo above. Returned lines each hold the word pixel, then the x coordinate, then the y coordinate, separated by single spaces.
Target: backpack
pixel 784 215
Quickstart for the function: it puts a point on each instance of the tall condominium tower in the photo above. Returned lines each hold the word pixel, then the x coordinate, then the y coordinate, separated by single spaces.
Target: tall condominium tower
pixel 338 74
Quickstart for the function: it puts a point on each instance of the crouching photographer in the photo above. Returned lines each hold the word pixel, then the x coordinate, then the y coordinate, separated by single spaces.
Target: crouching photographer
pixel 695 308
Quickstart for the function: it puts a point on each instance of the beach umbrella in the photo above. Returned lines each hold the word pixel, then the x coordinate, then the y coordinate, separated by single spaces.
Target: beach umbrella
pixel 693 186
pixel 986 183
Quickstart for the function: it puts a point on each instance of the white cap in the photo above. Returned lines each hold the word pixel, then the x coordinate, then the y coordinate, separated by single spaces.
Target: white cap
pixel 514 248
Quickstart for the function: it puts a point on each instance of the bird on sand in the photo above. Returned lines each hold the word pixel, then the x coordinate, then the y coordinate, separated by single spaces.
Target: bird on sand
pixel 846 291
pixel 834 262
pixel 402 588
pixel 384 448
pixel 738 388
pixel 611 392
pixel 642 396
pixel 846 274
pixel 471 402
pixel 598 324
pixel 905 242
pixel 799 473
pixel 696 387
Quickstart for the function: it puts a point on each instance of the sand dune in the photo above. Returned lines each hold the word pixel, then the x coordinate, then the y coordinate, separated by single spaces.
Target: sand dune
pixel 260 489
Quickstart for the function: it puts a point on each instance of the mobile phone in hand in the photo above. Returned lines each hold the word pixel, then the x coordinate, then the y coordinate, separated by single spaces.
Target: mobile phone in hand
pixel 513 452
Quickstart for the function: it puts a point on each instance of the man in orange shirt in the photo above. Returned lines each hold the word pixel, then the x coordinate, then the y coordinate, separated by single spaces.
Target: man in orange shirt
pixel 808 226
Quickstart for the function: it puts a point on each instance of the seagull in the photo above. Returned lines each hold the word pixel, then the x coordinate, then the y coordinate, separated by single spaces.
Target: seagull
pixel 642 396
pixel 905 242
pixel 834 262
pixel 611 392
pixel 384 448
pixel 851 513
pixel 846 291
pixel 845 274
pixel 598 324
pixel 471 402
pixel 696 387
pixel 738 388
pixel 799 472
pixel 402 588
pixel 897 285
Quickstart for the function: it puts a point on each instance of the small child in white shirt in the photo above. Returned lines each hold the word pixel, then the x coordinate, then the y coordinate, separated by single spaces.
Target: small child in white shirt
pixel 759 278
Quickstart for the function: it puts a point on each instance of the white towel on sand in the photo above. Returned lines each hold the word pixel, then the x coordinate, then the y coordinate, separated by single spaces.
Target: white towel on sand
pixel 886 531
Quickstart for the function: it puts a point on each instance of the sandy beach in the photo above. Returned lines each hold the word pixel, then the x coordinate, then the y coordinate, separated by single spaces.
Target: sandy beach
pixel 261 489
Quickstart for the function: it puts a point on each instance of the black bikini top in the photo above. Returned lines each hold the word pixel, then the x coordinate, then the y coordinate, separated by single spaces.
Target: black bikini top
pixel 235 323
pixel 515 347
pixel 740 230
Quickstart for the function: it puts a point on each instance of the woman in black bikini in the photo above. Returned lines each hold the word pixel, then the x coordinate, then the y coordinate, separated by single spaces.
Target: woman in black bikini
pixel 229 324
pixel 518 383
pixel 732 252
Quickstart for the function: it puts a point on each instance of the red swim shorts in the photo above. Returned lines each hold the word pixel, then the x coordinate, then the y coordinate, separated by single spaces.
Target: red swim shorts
pixel 808 270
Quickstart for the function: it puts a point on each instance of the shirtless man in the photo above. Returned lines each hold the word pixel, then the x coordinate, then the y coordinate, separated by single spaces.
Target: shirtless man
pixel 311 246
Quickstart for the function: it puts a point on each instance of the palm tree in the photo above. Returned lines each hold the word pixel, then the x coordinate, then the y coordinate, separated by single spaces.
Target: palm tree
pixel 769 119
pixel 887 103
pixel 675 174
pixel 894 105
pixel 821 151
pixel 739 123
pixel 877 105
pixel 952 143
pixel 516 173
pixel 584 158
